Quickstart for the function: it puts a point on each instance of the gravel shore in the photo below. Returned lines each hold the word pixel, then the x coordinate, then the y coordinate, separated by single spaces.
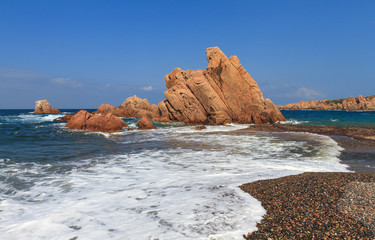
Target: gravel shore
pixel 316 206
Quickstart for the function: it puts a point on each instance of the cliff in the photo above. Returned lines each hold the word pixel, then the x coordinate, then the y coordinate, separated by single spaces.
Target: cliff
pixel 351 103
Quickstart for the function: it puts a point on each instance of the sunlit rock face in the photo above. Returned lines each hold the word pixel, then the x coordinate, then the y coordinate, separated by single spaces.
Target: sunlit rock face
pixel 223 93
pixel 84 120
pixel 43 106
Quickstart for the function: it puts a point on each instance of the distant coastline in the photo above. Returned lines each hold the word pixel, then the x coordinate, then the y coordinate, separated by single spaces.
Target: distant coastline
pixel 345 104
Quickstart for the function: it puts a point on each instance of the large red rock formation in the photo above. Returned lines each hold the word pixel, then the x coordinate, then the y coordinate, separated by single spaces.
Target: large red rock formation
pixel 144 124
pixel 223 93
pixel 43 106
pixel 351 103
pixel 84 120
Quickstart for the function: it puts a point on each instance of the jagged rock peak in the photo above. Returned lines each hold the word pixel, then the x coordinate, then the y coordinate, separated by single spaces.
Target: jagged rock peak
pixel 224 92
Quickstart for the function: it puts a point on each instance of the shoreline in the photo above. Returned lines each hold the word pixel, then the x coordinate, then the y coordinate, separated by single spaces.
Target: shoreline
pixel 358 143
pixel 316 205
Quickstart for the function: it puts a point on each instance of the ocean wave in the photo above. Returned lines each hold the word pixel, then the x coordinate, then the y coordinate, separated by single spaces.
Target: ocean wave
pixel 211 128
pixel 180 184
pixel 293 121
pixel 30 118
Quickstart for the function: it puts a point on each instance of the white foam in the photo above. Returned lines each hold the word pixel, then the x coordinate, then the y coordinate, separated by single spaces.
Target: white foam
pixel 185 190
pixel 32 118
pixel 293 121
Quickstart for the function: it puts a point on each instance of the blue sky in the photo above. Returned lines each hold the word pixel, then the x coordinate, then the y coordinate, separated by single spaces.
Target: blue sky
pixel 80 54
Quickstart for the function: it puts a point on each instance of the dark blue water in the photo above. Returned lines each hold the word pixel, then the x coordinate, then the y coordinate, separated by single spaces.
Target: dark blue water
pixel 25 136
pixel 330 118
pixel 28 137
pixel 175 181
pixel 360 159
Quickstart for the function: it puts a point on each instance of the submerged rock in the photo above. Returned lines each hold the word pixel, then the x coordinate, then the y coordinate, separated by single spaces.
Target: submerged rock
pixel 43 106
pixel 84 120
pixel 144 124
pixel 200 127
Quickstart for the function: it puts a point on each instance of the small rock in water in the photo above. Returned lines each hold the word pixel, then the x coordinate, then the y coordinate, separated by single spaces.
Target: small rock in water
pixel 144 124
pixel 200 127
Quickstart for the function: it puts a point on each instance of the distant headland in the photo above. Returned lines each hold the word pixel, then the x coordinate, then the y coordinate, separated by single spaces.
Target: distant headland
pixel 348 104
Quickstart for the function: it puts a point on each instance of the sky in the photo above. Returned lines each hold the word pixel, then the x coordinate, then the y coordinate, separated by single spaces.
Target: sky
pixel 80 54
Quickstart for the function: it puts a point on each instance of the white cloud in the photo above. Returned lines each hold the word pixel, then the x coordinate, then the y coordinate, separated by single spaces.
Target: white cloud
pixel 107 85
pixel 304 93
pixel 147 88
pixel 66 81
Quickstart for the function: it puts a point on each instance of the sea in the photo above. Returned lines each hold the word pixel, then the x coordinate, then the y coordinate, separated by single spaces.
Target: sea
pixel 174 182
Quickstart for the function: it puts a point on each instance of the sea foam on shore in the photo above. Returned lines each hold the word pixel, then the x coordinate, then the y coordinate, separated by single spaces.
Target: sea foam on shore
pixel 169 183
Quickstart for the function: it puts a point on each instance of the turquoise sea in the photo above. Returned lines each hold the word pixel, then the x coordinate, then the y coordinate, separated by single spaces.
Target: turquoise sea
pixel 170 183
pixel 330 118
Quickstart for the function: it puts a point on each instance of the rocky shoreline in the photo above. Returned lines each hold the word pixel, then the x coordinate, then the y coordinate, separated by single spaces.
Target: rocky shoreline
pixel 347 104
pixel 316 205
pixel 362 137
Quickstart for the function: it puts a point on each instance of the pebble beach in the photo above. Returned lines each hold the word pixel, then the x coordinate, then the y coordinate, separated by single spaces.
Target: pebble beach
pixel 316 205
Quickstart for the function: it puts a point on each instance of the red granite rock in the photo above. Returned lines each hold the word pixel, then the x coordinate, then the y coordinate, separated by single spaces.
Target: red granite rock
pixel 43 106
pixel 144 124
pixel 221 94
pixel 351 103
pixel 84 120
pixel 65 118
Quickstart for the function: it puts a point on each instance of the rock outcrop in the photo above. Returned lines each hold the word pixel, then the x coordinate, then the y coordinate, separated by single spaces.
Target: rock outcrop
pixel 223 93
pixel 144 124
pixel 137 108
pixel 351 103
pixel 84 120
pixel 65 118
pixel 43 106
